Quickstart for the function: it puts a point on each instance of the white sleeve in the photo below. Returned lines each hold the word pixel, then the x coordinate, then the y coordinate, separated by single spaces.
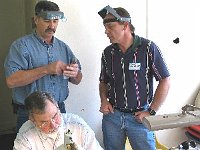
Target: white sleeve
pixel 21 143
pixel 90 141
pixel 82 134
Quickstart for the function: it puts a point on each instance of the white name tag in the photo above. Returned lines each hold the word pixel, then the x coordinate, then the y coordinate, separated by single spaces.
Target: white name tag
pixel 134 66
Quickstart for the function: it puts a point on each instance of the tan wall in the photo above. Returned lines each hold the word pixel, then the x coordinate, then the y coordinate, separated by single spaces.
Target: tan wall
pixel 15 22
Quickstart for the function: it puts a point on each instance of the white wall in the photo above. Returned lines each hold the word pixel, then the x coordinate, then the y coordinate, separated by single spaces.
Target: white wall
pixel 168 20
pixel 84 32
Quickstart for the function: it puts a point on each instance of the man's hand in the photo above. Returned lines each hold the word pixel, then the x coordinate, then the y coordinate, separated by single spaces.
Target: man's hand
pixel 106 108
pixel 140 115
pixel 56 68
pixel 71 71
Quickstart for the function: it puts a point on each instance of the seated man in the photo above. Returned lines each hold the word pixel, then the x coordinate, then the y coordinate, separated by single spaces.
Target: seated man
pixel 46 127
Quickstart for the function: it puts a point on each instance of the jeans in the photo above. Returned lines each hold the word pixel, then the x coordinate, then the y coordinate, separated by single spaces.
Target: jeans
pixel 118 126
pixel 22 117
pixel 62 107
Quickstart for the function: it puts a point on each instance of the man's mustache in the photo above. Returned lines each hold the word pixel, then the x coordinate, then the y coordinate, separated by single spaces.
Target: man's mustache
pixel 50 30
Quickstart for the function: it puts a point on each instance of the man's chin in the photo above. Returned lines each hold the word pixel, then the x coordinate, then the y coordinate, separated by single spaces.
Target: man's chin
pixel 54 130
pixel 112 40
pixel 51 33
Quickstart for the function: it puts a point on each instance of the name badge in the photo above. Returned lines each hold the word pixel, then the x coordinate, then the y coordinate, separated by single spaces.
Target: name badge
pixel 134 66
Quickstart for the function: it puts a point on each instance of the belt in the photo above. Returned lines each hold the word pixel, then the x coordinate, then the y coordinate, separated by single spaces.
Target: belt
pixel 20 106
pixel 128 110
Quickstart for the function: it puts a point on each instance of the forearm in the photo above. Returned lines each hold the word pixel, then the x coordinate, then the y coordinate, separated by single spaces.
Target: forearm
pixel 103 91
pixel 77 79
pixel 25 77
pixel 160 93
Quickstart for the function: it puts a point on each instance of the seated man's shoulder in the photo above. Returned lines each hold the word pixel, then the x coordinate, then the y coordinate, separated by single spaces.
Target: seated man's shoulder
pixel 73 118
pixel 25 135
pixel 27 128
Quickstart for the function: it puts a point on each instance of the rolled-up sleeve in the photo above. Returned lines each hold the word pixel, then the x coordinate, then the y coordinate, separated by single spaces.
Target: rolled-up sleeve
pixel 16 58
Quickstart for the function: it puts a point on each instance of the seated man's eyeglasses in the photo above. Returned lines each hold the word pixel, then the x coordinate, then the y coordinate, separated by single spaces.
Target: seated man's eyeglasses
pixel 53 120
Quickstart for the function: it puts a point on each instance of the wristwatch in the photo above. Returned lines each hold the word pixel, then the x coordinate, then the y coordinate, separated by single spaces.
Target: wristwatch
pixel 151 111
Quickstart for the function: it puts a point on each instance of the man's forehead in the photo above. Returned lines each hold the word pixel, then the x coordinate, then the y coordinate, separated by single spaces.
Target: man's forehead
pixel 50 107
pixel 49 19
pixel 51 15
pixel 48 112
pixel 109 18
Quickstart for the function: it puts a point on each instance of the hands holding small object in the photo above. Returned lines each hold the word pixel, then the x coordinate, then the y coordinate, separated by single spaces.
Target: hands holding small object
pixel 71 70
pixel 59 67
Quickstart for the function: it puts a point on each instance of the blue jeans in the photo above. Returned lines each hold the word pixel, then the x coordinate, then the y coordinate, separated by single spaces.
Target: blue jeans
pixel 118 126
pixel 62 107
pixel 22 117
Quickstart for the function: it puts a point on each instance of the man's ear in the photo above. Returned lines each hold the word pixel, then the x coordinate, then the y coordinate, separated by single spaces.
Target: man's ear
pixel 36 19
pixel 125 25
pixel 31 118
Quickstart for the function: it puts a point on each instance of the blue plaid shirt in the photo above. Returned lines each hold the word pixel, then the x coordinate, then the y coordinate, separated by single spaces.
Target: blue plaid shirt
pixel 30 52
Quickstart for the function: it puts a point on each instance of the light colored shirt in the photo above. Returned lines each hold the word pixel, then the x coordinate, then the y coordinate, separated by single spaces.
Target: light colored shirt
pixel 30 137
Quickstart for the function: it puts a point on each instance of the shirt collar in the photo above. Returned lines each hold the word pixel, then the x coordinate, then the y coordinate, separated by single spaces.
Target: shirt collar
pixel 42 41
pixel 136 43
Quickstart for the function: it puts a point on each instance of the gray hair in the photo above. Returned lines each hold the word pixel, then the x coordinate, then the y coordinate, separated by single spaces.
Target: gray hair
pixel 36 102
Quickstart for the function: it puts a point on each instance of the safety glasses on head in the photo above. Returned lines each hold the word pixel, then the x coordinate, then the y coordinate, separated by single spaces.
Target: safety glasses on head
pixel 51 15
pixel 103 12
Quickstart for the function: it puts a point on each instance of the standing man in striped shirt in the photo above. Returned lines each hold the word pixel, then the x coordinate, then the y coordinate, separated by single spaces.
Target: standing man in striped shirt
pixel 129 65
